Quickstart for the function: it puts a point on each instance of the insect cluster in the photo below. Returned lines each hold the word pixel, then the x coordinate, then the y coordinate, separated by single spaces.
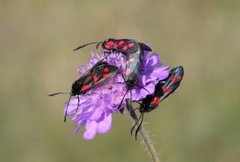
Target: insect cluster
pixel 103 71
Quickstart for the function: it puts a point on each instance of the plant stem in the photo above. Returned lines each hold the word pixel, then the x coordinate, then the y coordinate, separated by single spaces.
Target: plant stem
pixel 144 135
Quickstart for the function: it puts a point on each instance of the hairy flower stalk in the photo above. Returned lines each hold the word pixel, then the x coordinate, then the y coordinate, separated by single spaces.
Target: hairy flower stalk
pixel 94 110
pixel 143 133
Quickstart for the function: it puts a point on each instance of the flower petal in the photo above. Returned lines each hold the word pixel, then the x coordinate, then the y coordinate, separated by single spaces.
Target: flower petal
pixel 77 129
pixel 105 125
pixel 153 61
pixel 91 130
pixel 96 114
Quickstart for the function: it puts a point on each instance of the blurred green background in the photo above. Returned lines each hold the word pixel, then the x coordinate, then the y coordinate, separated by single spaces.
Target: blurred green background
pixel 199 123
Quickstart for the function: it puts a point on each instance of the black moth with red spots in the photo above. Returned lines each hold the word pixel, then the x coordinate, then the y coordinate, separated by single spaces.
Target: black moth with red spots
pixel 125 46
pixel 98 74
pixel 162 90
pixel 133 50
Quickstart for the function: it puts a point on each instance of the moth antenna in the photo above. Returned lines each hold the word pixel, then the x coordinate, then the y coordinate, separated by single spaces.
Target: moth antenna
pixel 135 124
pixel 58 93
pixel 78 103
pixel 85 45
pixel 65 113
pixel 139 127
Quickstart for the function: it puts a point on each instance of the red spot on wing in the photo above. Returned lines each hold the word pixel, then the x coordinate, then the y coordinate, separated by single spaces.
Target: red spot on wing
pixel 95 78
pixel 115 46
pixel 176 79
pixel 106 70
pixel 105 76
pixel 85 87
pixel 125 48
pixel 155 101
pixel 130 44
pixel 109 44
pixel 120 42
pixel 166 90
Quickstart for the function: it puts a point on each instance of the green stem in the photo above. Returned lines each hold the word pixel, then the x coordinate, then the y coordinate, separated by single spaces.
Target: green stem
pixel 144 135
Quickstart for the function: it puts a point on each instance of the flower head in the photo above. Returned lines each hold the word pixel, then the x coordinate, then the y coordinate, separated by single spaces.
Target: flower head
pixel 94 109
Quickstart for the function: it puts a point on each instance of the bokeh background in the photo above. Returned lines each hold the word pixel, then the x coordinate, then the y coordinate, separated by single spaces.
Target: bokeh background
pixel 199 123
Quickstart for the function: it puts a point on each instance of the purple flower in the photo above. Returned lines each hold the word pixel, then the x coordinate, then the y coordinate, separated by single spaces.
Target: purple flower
pixel 99 103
